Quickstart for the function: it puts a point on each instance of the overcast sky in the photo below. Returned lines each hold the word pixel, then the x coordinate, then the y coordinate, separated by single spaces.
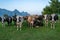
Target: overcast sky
pixel 30 6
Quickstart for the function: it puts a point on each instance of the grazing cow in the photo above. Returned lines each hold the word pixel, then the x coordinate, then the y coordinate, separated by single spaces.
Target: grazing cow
pixel 54 17
pixel 19 21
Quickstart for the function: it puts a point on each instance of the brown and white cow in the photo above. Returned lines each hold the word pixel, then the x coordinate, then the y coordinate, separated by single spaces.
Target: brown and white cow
pixel 35 21
pixel 31 21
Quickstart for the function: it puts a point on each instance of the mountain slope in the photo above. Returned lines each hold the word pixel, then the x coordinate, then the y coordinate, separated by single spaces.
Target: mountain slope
pixel 11 13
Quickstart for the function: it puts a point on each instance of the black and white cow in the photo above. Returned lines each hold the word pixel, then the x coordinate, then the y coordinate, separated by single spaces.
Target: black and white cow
pixel 14 19
pixel 54 18
pixel 9 20
pixel 47 17
pixel 19 22
pixel 6 19
pixel 3 21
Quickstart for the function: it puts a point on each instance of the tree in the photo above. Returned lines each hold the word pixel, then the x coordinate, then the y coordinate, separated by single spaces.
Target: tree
pixel 54 7
pixel 55 4
pixel 47 10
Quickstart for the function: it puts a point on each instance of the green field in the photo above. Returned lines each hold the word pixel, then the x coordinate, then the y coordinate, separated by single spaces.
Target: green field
pixel 27 33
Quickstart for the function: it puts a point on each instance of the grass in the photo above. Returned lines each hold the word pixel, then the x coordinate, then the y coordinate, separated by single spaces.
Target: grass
pixel 27 33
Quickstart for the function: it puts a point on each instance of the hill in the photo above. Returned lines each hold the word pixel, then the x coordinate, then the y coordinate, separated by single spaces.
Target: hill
pixel 11 13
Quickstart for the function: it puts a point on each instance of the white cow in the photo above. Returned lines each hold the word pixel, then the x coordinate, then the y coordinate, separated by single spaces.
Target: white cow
pixel 19 21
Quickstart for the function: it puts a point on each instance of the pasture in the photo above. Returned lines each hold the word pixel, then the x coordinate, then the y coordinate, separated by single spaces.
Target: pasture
pixel 27 33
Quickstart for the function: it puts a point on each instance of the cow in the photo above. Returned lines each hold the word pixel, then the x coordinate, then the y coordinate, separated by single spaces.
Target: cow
pixel 9 20
pixel 35 21
pixel 14 19
pixel 30 21
pixel 19 22
pixel 6 19
pixel 39 20
pixel 46 19
pixel 3 21
pixel 54 18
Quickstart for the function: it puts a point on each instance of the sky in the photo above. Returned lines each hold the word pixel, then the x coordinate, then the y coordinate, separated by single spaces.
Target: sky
pixel 30 6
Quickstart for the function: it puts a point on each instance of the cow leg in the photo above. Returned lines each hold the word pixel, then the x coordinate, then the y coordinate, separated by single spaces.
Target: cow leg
pixel 14 22
pixel 28 24
pixel 32 25
pixel 8 23
pixel 3 24
pixel 20 26
pixel 51 24
pixel 54 25
pixel 17 25
pixel 46 23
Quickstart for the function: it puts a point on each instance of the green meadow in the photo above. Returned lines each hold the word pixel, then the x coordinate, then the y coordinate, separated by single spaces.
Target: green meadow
pixel 27 33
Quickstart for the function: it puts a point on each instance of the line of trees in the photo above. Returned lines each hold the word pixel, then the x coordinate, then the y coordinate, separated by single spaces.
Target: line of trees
pixel 54 7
